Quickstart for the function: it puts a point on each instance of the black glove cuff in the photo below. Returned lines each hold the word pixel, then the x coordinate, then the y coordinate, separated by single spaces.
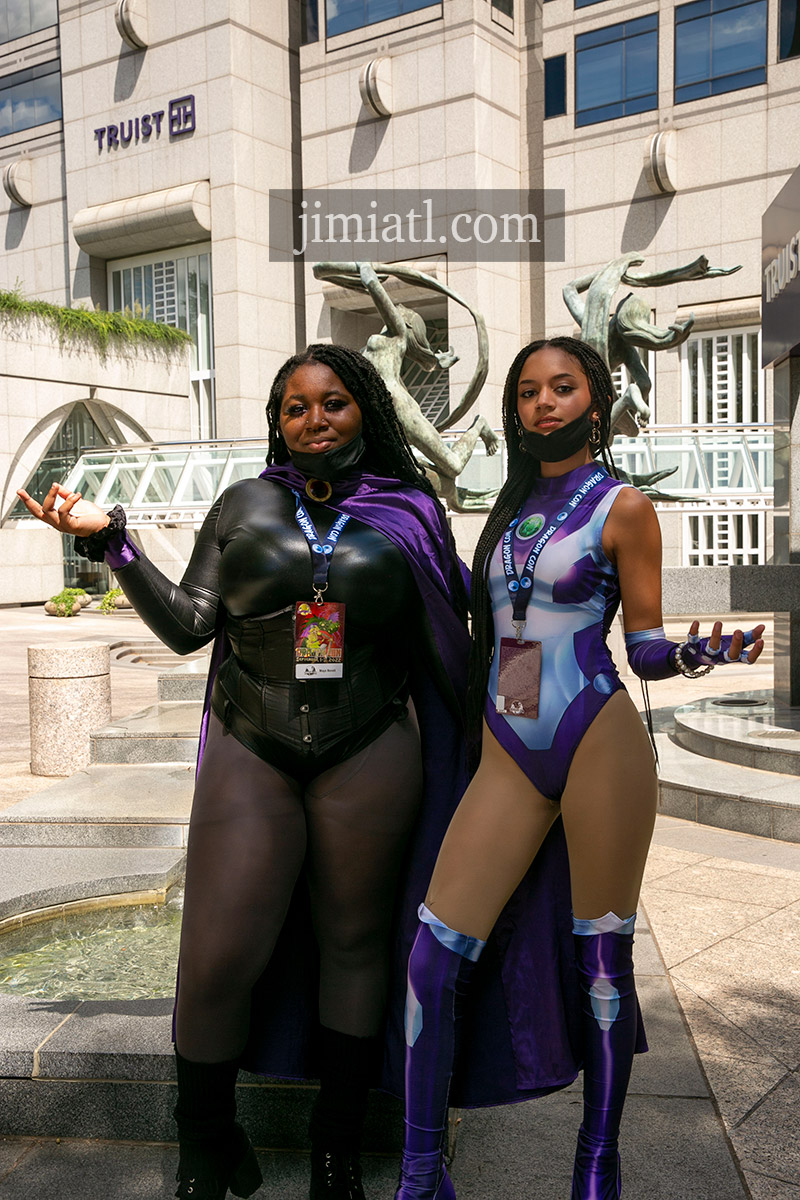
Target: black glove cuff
pixel 94 546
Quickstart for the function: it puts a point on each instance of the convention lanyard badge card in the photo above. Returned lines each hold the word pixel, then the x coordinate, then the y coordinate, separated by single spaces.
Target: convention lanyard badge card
pixel 319 623
pixel 520 666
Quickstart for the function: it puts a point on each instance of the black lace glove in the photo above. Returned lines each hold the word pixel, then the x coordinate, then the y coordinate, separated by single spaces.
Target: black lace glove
pixel 94 546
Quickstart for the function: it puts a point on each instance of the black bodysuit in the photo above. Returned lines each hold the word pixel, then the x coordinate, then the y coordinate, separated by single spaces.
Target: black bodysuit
pixel 251 555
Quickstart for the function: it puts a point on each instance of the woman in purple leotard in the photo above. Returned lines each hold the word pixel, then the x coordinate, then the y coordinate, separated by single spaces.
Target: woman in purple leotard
pixel 565 543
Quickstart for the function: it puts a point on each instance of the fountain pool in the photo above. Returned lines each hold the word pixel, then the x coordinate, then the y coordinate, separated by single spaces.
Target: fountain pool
pixel 124 952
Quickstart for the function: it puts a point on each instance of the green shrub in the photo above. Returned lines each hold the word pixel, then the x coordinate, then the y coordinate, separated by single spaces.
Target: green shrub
pixel 66 603
pixel 96 326
pixel 107 603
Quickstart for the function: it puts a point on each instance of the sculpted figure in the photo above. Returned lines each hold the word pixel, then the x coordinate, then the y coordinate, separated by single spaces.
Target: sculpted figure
pixel 619 338
pixel 404 335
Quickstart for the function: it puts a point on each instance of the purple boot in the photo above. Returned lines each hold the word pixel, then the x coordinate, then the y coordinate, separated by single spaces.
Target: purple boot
pixel 604 952
pixel 439 969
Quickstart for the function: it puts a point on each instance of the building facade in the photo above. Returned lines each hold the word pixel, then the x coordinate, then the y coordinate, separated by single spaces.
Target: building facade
pixel 140 143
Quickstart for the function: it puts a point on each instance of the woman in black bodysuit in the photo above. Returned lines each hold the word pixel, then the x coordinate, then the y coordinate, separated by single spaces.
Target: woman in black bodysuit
pixel 321 777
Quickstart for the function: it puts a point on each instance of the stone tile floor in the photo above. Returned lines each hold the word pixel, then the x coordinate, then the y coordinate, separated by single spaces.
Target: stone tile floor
pixel 723 908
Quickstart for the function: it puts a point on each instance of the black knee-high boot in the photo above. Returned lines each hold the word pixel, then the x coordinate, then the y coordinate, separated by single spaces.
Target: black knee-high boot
pixel 348 1066
pixel 215 1154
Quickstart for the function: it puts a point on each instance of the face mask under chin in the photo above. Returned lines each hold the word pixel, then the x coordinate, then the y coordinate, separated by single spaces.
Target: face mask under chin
pixel 330 464
pixel 561 443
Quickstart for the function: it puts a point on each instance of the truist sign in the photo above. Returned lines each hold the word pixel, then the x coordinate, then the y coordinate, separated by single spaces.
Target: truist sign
pixel 177 119
pixel 780 264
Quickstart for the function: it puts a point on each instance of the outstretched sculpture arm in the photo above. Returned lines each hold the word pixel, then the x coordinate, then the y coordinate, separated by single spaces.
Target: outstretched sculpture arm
pixel 571 294
pixel 699 269
pixel 343 274
pixel 394 322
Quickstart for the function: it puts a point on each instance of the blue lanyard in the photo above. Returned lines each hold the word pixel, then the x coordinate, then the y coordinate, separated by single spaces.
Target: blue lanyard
pixel 321 552
pixel 519 589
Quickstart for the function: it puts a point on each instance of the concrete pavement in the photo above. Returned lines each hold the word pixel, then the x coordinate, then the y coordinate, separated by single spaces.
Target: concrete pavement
pixel 712 1112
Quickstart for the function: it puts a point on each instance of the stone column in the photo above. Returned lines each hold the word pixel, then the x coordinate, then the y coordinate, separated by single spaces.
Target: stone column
pixel 69 689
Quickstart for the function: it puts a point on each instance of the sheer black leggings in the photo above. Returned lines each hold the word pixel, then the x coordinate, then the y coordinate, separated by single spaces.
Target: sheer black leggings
pixel 253 830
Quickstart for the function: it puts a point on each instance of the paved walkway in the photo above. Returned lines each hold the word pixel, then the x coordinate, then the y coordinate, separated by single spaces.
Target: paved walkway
pixel 712 1112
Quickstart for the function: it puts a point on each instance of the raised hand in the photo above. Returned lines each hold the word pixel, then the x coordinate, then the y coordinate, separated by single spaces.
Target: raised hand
pixel 718 649
pixel 74 515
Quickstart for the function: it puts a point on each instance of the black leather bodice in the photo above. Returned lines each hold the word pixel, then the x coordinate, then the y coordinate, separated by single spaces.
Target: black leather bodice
pixel 251 555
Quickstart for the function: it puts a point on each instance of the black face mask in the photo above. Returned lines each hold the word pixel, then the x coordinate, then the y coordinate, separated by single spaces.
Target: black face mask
pixel 330 464
pixel 561 443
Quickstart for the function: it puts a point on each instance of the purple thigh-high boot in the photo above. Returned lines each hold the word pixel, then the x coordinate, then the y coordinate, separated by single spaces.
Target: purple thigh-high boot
pixel 609 1015
pixel 439 970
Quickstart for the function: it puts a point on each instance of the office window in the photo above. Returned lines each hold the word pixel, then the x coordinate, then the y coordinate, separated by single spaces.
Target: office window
pixel 30 97
pixel 724 539
pixel 21 17
pixel 616 71
pixel 175 289
pixel 586 3
pixel 309 22
pixel 430 389
pixel 720 46
pixel 721 379
pixel 555 86
pixel 504 6
pixel 344 15
pixel 789 29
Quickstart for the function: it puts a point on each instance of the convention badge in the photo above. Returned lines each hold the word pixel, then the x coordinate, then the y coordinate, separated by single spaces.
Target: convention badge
pixel 518 678
pixel 318 640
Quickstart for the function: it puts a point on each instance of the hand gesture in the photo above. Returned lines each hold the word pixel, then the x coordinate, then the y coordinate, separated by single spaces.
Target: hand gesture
pixel 74 515
pixel 718 649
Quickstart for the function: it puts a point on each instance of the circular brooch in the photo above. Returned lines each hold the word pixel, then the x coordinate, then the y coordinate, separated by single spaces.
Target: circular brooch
pixel 319 490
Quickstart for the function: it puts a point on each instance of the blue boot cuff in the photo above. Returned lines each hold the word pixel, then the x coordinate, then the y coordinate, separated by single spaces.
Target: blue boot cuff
pixel 459 943
pixel 610 923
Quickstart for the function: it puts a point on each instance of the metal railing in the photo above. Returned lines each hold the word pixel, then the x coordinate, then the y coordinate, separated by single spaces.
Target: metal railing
pixel 176 483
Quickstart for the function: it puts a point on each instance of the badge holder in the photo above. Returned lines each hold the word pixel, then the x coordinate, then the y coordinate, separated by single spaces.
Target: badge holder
pixel 318 639
pixel 319 623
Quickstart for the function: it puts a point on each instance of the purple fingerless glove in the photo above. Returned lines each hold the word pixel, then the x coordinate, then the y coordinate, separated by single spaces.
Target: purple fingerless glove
pixel 696 652
pixel 651 655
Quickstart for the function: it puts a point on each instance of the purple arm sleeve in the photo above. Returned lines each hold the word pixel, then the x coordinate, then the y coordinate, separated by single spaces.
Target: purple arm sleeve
pixel 120 551
pixel 651 655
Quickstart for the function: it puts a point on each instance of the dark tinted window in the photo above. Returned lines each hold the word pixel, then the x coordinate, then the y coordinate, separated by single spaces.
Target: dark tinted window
pixel 720 46
pixel 555 86
pixel 616 71
pixel 309 21
pixel 789 29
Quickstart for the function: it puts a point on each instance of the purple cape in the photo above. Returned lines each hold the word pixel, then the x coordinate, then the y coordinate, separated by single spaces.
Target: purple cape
pixel 521 1036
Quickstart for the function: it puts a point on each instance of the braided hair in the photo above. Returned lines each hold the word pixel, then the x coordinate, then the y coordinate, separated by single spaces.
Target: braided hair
pixel 387 449
pixel 522 471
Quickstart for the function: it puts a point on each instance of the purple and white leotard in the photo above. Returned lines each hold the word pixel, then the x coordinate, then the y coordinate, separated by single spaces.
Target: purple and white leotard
pixel 574 598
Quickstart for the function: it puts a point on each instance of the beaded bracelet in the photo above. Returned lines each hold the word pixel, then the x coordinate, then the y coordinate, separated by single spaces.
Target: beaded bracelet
pixel 685 669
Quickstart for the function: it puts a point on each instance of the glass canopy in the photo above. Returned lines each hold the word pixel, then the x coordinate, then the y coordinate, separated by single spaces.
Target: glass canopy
pixel 176 484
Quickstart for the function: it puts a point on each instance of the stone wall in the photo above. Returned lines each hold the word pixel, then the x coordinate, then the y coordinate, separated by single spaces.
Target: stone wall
pixel 135 394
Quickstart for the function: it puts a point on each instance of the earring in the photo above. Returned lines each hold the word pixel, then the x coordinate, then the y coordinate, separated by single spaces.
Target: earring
pixel 594 436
